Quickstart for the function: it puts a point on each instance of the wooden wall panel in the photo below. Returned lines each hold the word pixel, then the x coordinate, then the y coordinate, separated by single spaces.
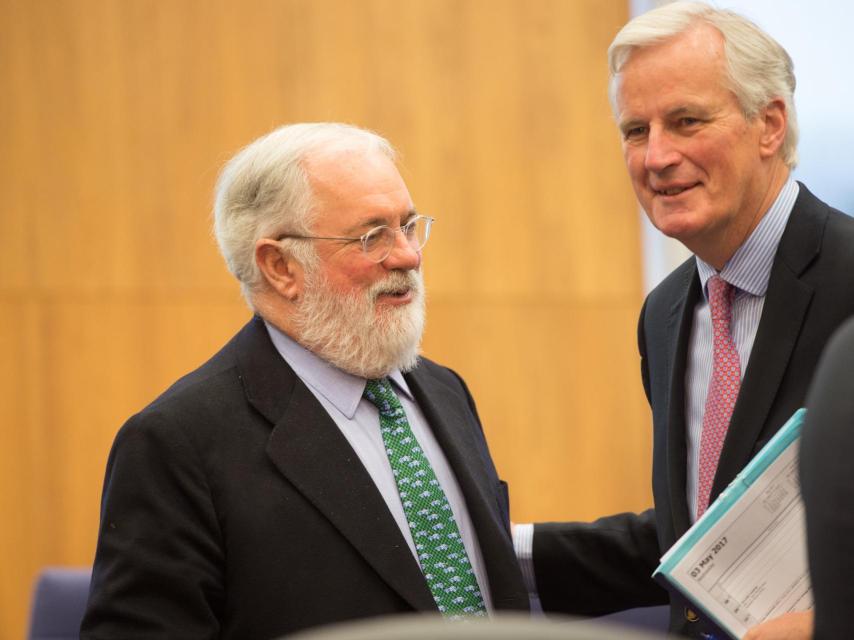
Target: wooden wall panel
pixel 564 416
pixel 115 116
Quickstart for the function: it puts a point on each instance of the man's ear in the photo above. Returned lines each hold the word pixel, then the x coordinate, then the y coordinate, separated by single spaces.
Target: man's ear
pixel 775 122
pixel 282 272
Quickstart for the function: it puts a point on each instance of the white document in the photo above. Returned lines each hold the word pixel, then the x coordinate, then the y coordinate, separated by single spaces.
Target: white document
pixel 745 560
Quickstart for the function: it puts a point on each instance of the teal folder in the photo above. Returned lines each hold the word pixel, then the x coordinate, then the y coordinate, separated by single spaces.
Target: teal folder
pixel 744 560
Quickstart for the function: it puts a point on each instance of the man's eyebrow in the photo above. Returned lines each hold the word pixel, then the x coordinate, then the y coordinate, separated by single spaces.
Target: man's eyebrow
pixel 631 124
pixel 377 221
pixel 674 113
pixel 684 109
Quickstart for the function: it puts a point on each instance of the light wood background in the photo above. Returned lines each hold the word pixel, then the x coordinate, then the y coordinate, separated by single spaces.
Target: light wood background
pixel 115 116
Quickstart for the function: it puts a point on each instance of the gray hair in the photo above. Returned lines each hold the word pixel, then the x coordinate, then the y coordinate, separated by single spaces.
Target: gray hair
pixel 758 68
pixel 264 191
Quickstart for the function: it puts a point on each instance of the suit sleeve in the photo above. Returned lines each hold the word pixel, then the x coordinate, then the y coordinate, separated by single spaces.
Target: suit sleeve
pixel 158 566
pixel 600 567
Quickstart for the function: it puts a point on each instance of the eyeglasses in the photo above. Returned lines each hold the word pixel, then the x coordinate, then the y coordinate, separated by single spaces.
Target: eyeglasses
pixel 379 241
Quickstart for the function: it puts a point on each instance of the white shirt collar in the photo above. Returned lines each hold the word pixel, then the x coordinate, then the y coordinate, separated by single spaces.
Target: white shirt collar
pixel 749 268
pixel 342 389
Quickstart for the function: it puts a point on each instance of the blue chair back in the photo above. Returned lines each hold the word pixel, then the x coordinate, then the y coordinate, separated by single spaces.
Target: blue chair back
pixel 59 602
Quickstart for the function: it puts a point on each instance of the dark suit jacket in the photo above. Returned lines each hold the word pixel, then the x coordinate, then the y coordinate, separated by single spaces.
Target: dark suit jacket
pixel 605 566
pixel 233 507
pixel 827 483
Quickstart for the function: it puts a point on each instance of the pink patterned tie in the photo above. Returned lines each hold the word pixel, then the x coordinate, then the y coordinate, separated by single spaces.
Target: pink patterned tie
pixel 723 388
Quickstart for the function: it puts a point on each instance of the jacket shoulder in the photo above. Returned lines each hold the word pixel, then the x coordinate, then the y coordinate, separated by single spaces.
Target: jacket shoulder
pixel 669 291
pixel 438 371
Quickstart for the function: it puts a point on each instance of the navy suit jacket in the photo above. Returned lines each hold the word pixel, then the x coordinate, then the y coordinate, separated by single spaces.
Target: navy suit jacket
pixel 233 507
pixel 595 568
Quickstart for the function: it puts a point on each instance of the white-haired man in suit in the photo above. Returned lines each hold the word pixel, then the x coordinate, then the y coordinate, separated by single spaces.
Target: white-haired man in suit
pixel 729 341
pixel 316 469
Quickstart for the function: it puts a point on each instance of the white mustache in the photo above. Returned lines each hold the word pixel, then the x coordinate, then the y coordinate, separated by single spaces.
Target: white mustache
pixel 396 281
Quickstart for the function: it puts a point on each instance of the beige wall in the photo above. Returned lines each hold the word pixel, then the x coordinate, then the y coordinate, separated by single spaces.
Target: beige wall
pixel 115 116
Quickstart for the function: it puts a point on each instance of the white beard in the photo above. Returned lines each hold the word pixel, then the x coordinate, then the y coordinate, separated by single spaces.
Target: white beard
pixel 352 333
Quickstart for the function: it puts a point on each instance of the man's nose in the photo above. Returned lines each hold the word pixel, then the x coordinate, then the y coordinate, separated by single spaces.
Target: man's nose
pixel 403 255
pixel 661 152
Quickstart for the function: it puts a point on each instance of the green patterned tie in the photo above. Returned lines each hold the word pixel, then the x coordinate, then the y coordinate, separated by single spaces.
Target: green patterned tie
pixel 437 539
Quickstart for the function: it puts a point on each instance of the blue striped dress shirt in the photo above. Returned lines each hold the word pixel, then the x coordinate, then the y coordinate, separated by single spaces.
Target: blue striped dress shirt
pixel 748 270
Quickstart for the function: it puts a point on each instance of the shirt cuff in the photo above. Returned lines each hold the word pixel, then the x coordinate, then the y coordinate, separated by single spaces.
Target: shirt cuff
pixel 523 545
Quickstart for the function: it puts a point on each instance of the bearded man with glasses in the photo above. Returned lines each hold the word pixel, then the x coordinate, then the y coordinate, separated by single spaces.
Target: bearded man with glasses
pixel 316 469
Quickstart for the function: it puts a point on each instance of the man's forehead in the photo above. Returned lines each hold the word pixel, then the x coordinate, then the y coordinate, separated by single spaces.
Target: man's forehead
pixel 676 74
pixel 700 37
pixel 345 158
pixel 355 187
pixel 337 164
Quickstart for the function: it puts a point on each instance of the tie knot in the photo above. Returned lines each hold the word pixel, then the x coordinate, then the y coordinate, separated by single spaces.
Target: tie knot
pixel 380 394
pixel 719 289
pixel 721 293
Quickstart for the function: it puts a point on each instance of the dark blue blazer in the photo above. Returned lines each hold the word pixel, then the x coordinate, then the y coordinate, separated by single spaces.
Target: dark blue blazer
pixel 233 507
pixel 595 568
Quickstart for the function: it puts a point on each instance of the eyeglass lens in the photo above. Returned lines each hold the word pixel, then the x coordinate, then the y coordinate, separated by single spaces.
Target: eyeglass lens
pixel 379 242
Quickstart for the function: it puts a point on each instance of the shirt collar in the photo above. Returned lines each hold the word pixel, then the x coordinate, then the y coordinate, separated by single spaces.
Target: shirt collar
pixel 342 389
pixel 749 269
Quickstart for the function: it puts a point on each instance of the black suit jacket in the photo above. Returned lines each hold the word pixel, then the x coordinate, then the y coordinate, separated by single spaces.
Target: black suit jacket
pixel 810 292
pixel 233 507
pixel 827 483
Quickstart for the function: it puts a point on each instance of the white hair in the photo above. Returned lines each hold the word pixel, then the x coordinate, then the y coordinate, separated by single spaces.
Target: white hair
pixel 758 69
pixel 264 191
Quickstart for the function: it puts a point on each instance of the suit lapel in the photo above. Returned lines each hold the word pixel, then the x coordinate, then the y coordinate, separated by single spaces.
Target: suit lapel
pixel 311 453
pixel 786 304
pixel 456 432
pixel 679 326
pixel 450 422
